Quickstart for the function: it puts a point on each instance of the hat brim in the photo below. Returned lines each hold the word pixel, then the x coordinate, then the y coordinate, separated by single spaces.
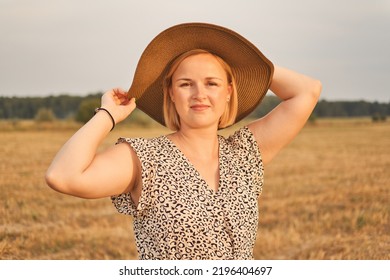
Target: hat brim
pixel 252 70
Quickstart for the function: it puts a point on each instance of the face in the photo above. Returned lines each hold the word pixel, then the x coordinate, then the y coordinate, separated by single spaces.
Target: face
pixel 200 91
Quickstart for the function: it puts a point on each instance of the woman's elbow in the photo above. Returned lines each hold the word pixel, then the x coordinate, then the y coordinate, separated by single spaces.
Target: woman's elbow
pixel 56 180
pixel 68 184
pixel 316 89
pixel 53 181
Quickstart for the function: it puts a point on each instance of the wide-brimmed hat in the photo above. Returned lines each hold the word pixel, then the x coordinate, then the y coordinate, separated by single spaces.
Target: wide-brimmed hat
pixel 252 70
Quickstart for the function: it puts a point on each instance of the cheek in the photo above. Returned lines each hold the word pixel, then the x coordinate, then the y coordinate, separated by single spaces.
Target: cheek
pixel 220 104
pixel 220 98
pixel 179 101
pixel 179 97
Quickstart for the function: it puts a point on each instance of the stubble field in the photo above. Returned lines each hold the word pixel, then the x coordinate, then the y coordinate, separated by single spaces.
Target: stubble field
pixel 326 196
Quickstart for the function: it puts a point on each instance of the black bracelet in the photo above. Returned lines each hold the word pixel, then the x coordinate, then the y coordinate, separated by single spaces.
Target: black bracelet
pixel 104 109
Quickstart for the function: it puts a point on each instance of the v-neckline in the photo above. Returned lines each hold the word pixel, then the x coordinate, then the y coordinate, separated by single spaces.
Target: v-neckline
pixel 195 170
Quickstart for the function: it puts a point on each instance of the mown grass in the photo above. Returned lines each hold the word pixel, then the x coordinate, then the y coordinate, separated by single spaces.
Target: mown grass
pixel 326 196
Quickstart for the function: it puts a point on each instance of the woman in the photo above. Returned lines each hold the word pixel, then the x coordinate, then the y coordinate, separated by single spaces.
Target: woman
pixel 193 194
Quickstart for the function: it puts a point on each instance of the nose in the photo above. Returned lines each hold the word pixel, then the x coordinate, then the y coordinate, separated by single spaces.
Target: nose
pixel 199 92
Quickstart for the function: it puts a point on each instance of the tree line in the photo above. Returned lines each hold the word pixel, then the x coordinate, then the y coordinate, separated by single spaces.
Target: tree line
pixel 331 109
pixel 81 108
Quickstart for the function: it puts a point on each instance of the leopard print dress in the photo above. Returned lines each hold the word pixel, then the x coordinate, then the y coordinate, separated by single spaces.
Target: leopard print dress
pixel 179 217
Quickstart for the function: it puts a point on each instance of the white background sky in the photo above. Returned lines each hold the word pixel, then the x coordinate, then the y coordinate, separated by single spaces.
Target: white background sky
pixel 50 47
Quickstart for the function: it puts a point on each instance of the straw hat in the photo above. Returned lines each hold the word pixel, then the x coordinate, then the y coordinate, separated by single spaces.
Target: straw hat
pixel 252 70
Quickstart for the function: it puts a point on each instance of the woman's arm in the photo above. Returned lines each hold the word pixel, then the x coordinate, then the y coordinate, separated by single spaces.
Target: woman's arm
pixel 299 94
pixel 78 170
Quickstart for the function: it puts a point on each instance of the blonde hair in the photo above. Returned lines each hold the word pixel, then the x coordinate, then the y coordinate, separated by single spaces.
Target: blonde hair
pixel 171 117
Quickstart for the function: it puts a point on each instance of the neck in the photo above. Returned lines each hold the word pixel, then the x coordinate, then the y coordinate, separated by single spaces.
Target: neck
pixel 197 142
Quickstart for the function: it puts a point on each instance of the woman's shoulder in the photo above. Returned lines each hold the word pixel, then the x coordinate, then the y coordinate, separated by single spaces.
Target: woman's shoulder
pixel 142 141
pixel 146 147
pixel 242 143
pixel 132 140
pixel 240 137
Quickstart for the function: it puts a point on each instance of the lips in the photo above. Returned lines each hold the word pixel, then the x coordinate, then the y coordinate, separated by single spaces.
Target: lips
pixel 200 107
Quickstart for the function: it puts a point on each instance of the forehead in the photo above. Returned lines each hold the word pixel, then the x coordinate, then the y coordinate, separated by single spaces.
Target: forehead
pixel 205 63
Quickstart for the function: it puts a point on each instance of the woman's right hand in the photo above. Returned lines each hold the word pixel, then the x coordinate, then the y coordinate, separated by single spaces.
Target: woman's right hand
pixel 116 101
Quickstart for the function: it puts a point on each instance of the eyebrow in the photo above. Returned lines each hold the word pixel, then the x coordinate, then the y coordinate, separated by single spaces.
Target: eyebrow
pixel 207 78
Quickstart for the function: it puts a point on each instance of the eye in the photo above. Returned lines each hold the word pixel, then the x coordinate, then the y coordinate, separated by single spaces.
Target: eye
pixel 185 84
pixel 212 84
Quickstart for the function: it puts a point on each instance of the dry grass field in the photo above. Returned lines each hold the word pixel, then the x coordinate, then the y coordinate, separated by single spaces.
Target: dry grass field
pixel 326 196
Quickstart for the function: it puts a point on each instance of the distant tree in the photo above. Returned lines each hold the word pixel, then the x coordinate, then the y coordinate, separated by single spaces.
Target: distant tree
pixel 87 109
pixel 45 115
pixel 312 118
pixel 140 119
pixel 377 117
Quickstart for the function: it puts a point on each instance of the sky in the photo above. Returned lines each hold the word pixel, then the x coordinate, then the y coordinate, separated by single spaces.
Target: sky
pixel 52 47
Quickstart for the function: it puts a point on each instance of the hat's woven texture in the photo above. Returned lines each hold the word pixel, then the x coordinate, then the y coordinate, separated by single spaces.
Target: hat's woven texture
pixel 252 70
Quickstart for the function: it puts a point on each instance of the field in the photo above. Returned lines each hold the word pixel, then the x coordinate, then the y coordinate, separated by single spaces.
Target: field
pixel 326 196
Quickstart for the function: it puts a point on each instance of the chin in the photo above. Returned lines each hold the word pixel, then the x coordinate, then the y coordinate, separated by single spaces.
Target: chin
pixel 203 125
pixel 201 122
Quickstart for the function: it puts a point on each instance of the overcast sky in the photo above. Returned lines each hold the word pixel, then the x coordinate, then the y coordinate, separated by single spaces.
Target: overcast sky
pixel 50 47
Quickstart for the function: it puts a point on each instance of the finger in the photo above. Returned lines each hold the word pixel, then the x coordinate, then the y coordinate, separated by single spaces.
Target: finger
pixel 119 91
pixel 132 105
pixel 123 99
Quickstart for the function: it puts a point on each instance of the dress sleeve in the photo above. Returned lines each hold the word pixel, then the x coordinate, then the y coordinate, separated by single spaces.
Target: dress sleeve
pixel 245 147
pixel 123 202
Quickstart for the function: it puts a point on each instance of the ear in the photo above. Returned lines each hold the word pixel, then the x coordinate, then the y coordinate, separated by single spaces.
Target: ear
pixel 230 90
pixel 171 94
